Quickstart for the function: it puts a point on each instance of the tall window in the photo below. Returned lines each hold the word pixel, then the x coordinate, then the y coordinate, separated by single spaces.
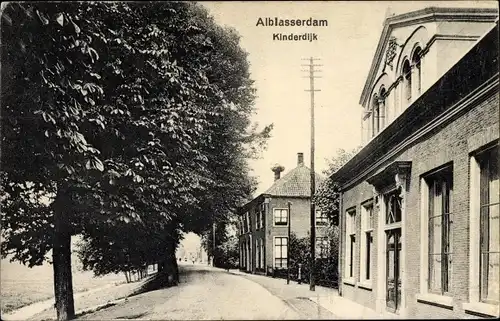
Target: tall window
pixel 280 216
pixel 367 123
pixel 321 218
pixel 418 70
pixel 262 214
pixel 262 253
pixel 241 254
pixel 350 242
pixel 440 219
pixel 393 215
pixel 382 109
pixel 489 225
pixel 367 239
pixel 407 80
pixel 280 252
pixel 257 253
pixel 393 212
pixel 257 219
pixel 375 116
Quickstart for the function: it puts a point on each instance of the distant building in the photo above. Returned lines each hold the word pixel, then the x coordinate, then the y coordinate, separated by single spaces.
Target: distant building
pixel 263 225
pixel 420 201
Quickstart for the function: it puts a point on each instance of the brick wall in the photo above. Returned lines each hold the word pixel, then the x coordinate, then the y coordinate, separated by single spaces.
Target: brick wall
pixel 447 145
pixel 451 143
pixel 353 198
pixel 300 219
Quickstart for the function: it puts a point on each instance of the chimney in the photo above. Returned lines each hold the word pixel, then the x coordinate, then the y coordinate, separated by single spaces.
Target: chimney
pixel 300 159
pixel 277 169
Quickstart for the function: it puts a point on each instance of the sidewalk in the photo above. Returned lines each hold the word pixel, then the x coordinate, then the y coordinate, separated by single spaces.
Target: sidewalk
pixel 327 298
pixel 346 309
pixel 279 287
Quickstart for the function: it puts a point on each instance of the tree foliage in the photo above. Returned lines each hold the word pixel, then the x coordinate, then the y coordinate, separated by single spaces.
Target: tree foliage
pixel 119 120
pixel 327 197
pixel 326 263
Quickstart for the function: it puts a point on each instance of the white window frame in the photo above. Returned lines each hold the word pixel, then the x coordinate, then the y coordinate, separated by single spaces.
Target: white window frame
pixel 274 250
pixel 274 213
pixel 322 216
pixel 257 252
pixel 365 230
pixel 475 305
pixel 261 258
pixel 350 255
pixel 262 214
pixel 446 256
pixel 257 220
pixel 425 294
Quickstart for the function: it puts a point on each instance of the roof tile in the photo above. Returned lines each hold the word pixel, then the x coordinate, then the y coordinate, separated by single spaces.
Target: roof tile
pixel 296 183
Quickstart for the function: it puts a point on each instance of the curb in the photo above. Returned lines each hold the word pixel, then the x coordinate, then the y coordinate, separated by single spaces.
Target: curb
pixel 363 313
pixel 99 307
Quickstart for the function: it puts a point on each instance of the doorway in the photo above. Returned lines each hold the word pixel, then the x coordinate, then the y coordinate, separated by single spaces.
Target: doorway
pixel 393 272
pixel 393 216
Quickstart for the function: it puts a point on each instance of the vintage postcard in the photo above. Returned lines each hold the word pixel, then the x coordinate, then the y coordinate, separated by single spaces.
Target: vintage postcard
pixel 249 160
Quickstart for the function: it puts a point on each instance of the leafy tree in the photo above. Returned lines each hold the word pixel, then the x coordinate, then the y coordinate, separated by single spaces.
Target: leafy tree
pixel 48 94
pixel 234 140
pixel 114 127
pixel 227 253
pixel 326 267
pixel 327 195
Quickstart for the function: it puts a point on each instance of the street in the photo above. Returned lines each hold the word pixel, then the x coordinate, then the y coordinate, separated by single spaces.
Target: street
pixel 209 293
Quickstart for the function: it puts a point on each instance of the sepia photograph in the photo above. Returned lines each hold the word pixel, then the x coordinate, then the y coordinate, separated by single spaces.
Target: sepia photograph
pixel 249 160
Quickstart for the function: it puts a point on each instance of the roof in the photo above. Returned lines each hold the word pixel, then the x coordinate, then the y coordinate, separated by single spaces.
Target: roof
pixel 476 72
pixel 296 183
pixel 417 17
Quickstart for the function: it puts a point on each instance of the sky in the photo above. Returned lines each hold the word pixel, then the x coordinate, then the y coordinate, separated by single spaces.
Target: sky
pixel 345 48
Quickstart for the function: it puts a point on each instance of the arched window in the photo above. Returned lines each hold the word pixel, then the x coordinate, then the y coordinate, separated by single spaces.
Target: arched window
pixel 407 80
pixel 375 116
pixel 367 122
pixel 417 63
pixel 382 108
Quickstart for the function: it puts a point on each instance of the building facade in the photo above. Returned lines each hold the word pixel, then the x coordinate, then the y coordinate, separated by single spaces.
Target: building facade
pixel 420 201
pixel 264 221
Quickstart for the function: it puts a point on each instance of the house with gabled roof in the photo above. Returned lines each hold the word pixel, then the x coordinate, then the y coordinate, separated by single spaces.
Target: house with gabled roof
pixel 264 221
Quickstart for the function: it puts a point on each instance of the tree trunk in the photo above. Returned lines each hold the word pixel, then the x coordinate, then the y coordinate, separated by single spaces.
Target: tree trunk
pixel 126 276
pixel 61 254
pixel 172 263
pixel 175 269
pixel 161 266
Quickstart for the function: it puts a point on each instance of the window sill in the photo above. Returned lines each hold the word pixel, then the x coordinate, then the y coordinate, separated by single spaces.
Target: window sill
pixel 436 300
pixel 366 285
pixel 481 309
pixel 350 281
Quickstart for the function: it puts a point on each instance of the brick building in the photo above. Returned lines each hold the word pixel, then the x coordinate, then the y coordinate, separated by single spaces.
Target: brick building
pixel 263 226
pixel 420 201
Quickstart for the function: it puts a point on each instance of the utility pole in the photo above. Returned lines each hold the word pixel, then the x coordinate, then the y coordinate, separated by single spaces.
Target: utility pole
pixel 312 70
pixel 288 244
pixel 213 242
